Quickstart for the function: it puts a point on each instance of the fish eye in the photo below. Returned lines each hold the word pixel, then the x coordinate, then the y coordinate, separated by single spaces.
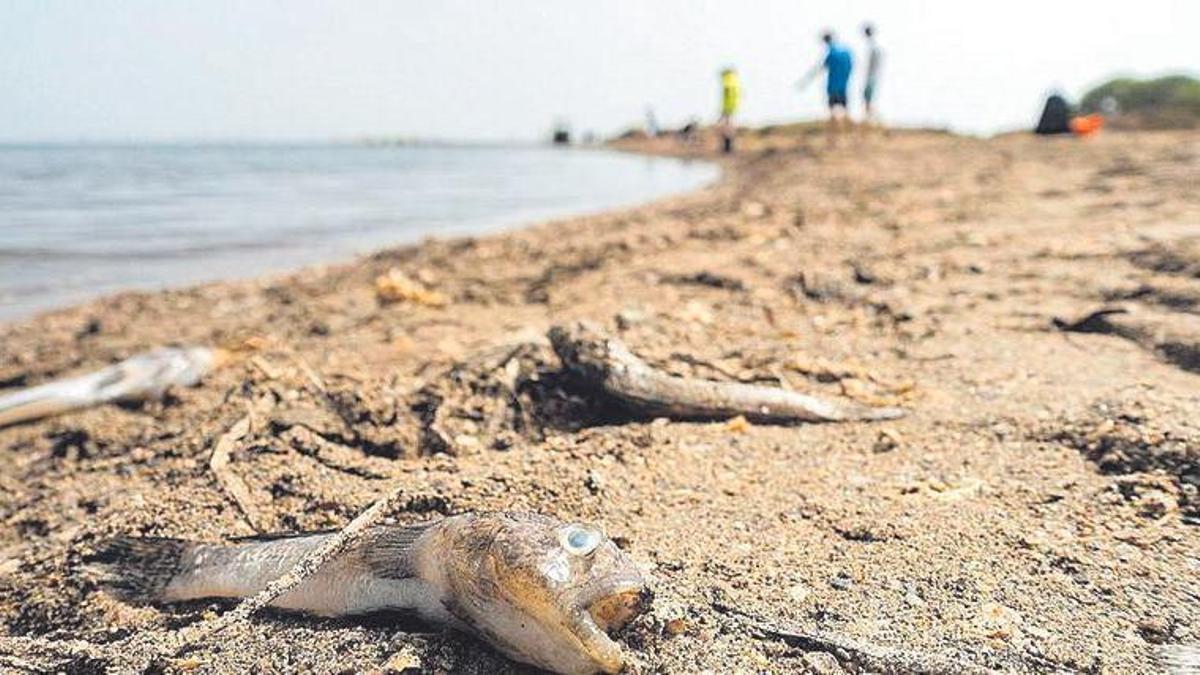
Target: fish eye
pixel 580 540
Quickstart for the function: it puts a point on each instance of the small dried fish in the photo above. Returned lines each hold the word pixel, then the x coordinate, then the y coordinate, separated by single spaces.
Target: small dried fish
pixel 605 363
pixel 146 376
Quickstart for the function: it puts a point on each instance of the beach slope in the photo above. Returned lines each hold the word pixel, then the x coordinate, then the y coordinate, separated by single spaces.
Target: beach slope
pixel 1037 508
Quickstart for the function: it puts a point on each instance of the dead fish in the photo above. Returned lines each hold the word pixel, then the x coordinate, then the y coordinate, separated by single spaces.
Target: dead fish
pixel 541 591
pixel 146 376
pixel 1178 659
pixel 605 363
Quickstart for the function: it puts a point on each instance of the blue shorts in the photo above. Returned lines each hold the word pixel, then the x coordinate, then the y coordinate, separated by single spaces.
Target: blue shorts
pixel 837 97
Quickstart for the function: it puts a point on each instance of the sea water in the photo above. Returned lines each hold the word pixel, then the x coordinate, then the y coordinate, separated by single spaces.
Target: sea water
pixel 78 221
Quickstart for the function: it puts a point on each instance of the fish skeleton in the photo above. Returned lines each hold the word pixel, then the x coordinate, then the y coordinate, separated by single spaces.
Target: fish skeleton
pixel 541 591
pixel 142 377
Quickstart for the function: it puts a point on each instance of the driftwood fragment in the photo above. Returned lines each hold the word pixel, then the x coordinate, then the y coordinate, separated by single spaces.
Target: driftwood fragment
pixel 1095 322
pixel 1173 336
pixel 605 363
pixel 866 656
pixel 232 483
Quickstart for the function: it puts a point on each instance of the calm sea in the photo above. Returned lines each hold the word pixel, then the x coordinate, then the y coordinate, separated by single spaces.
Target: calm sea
pixel 80 221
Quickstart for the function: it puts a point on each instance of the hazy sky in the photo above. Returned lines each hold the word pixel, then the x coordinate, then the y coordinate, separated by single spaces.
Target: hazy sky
pixel 308 69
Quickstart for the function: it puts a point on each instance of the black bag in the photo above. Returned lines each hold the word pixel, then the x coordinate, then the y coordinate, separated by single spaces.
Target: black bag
pixel 1056 117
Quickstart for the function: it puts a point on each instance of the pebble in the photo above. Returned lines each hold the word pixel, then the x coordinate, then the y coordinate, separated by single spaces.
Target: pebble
pixel 696 312
pixel 403 660
pixel 821 663
pixel 186 663
pixel 754 210
pixel 798 592
pixel 629 317
pixel 671 616
pixel 1157 503
pixel 594 481
pixel 887 441
pixel 1154 630
pixel 913 600
pixel 998 621
pixel 675 627
pixel 737 425
pixel 466 443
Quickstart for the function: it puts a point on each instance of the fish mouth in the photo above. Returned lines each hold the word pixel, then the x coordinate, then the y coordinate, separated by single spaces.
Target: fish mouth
pixel 603 609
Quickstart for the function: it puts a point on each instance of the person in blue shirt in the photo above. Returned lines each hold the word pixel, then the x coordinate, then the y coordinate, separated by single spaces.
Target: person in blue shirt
pixel 837 65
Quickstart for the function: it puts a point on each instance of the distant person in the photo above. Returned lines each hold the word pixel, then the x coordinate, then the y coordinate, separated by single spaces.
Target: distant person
pixel 731 94
pixel 837 64
pixel 651 123
pixel 1056 116
pixel 874 61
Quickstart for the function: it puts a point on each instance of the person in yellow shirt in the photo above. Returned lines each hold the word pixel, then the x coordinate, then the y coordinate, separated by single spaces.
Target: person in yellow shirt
pixel 731 94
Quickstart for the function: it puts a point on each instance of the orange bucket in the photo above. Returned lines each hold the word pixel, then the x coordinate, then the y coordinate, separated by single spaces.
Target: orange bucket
pixel 1086 125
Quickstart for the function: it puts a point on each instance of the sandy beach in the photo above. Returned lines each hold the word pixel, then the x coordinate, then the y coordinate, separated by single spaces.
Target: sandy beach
pixel 1037 509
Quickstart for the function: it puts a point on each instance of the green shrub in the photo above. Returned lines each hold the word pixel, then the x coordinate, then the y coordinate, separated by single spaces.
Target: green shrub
pixel 1171 102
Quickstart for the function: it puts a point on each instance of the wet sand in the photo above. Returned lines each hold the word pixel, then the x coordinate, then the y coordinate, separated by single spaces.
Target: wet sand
pixel 1037 509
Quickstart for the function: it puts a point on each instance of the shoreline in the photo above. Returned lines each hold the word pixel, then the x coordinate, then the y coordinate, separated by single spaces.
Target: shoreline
pixel 1033 511
pixel 573 184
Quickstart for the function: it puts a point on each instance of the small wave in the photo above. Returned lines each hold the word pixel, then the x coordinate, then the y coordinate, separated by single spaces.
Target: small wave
pixel 44 254
pixel 102 218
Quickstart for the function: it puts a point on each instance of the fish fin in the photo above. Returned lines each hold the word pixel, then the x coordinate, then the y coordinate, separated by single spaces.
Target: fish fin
pixel 388 551
pixel 275 536
pixel 1179 659
pixel 878 414
pixel 137 569
pixel 108 377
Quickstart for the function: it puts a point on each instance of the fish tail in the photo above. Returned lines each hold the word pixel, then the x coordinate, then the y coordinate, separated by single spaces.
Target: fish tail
pixel 38 402
pixel 138 569
pixel 1179 659
pixel 879 414
pixel 32 410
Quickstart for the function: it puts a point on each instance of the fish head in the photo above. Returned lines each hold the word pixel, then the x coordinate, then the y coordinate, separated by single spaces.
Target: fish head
pixel 547 592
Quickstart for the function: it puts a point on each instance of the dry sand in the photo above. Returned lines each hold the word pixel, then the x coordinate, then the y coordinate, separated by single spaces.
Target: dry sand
pixel 1037 510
